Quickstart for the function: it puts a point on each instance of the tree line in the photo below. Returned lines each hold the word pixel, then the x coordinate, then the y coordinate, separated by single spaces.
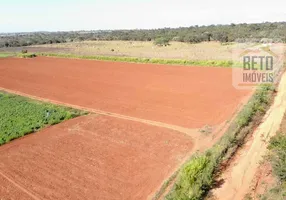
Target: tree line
pixel 194 34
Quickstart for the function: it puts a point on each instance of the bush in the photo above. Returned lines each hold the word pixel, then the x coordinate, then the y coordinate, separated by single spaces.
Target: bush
pixel 27 55
pixel 162 41
pixel 193 178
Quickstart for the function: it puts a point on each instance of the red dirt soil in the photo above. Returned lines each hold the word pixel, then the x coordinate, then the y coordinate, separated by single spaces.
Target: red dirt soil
pixel 91 157
pixel 190 97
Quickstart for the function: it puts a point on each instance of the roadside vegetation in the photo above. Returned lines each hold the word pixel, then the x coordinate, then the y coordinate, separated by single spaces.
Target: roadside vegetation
pixel 20 116
pixel 277 158
pixel 197 176
pixel 213 63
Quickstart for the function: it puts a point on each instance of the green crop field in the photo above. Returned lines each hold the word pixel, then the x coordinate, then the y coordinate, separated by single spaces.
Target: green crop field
pixel 20 116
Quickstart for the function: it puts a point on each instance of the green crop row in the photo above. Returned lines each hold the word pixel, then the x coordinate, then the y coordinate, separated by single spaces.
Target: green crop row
pixel 214 63
pixel 196 177
pixel 20 116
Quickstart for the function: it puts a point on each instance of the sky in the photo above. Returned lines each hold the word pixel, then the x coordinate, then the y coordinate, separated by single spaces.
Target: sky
pixel 68 15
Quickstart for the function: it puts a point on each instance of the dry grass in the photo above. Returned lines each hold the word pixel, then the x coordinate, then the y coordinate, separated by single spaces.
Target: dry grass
pixel 177 50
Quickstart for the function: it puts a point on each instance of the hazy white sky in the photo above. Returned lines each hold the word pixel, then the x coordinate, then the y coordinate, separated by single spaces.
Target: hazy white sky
pixel 60 15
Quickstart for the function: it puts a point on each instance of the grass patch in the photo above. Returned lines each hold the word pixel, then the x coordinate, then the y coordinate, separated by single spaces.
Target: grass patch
pixel 6 54
pixel 20 116
pixel 197 176
pixel 277 158
pixel 213 63
pixel 26 55
pixel 165 185
pixel 276 193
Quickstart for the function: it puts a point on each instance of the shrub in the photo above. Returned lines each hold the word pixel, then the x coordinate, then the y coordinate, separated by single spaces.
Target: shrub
pixel 161 41
pixel 27 55
pixel 193 178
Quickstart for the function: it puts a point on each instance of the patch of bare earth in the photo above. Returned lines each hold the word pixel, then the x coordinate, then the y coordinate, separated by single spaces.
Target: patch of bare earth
pixel 190 97
pixel 91 157
pixel 137 141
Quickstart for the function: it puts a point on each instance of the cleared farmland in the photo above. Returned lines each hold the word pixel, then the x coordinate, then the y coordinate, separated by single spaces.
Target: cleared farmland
pixel 190 97
pixel 91 157
pixel 114 155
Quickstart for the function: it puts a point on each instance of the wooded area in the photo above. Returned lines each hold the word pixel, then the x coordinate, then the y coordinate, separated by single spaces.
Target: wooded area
pixel 194 34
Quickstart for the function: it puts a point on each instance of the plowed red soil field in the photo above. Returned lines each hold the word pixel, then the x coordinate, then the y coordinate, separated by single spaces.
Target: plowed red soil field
pixel 190 97
pixel 91 157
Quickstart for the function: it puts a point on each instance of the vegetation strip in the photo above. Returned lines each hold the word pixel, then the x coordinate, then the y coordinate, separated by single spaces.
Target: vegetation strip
pixel 5 54
pixel 277 157
pixel 26 55
pixel 197 176
pixel 20 116
pixel 213 63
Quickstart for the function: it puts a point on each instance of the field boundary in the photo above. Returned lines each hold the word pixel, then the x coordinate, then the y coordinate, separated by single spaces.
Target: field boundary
pixel 7 54
pixel 197 175
pixel 201 63
pixel 166 186
pixel 179 129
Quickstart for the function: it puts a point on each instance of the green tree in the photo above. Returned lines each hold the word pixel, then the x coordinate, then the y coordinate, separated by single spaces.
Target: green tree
pixel 162 41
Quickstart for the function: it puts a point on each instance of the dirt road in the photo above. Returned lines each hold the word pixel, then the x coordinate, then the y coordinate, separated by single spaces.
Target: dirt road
pixel 238 177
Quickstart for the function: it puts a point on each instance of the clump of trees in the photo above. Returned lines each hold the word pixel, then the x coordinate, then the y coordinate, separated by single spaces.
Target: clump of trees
pixel 192 34
pixel 162 41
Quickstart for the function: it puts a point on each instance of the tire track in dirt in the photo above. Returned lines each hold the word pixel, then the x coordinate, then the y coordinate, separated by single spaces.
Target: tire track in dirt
pixel 19 186
pixel 240 174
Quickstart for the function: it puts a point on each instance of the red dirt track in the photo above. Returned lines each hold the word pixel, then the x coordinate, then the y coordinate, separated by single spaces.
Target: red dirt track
pixel 190 97
pixel 91 157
